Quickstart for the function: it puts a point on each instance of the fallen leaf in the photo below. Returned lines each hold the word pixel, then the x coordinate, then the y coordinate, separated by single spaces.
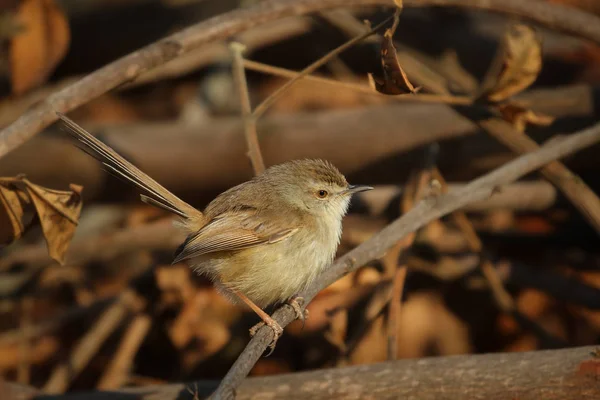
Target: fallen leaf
pixel 520 117
pixel 517 65
pixel 394 80
pixel 40 45
pixel 58 212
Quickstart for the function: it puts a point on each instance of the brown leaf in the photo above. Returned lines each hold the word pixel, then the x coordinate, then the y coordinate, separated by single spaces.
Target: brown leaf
pixel 58 212
pixel 11 214
pixel 517 65
pixel 395 80
pixel 520 117
pixel 40 46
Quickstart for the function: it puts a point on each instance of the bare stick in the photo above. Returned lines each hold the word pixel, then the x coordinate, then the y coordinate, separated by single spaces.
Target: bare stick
pixel 533 375
pixel 503 299
pixel 161 234
pixel 118 371
pixel 580 194
pixel 268 102
pixel 426 211
pixel 24 368
pixel 395 306
pixel 419 97
pixel 239 76
pixel 216 52
pixel 89 345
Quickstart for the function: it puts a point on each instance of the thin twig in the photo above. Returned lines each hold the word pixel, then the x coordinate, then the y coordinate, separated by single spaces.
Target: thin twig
pixel 24 369
pixel 426 211
pixel 118 371
pixel 394 312
pixel 268 102
pixel 239 76
pixel 571 185
pixel 419 97
pixel 503 299
pixel 89 344
pixel 416 65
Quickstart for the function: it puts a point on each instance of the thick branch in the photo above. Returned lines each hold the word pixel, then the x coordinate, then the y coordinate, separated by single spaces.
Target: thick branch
pixel 420 215
pixel 128 68
pixel 551 374
pixel 531 375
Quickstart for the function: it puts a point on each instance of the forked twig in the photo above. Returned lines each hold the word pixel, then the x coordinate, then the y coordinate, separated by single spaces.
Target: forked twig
pixel 268 102
pixel 419 97
pixel 239 76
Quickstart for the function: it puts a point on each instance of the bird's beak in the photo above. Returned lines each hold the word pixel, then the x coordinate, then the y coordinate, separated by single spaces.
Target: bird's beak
pixel 357 188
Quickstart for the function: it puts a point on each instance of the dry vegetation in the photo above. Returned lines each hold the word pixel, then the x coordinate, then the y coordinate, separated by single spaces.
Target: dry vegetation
pixel 480 237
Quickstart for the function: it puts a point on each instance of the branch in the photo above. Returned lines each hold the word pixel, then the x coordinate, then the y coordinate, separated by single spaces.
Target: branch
pixel 129 67
pixel 161 234
pixel 239 77
pixel 549 375
pixel 117 373
pixel 90 343
pixel 269 101
pixel 571 185
pixel 356 87
pixel 420 215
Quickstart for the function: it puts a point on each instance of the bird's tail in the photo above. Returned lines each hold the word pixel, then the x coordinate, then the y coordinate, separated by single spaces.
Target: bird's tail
pixel 154 193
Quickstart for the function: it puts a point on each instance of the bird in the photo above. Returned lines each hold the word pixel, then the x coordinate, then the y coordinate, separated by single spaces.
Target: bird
pixel 261 242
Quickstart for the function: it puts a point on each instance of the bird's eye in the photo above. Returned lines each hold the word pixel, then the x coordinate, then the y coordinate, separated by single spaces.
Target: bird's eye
pixel 322 194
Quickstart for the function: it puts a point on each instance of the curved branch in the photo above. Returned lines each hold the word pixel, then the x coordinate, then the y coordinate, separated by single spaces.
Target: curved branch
pixel 131 66
pixel 426 211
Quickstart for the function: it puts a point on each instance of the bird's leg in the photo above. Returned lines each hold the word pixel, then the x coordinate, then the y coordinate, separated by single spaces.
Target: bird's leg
pixel 267 320
pixel 296 302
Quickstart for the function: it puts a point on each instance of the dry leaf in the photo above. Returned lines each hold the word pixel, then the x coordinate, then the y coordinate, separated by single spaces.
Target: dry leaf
pixel 520 117
pixel 11 215
pixel 395 80
pixel 517 65
pixel 41 44
pixel 58 212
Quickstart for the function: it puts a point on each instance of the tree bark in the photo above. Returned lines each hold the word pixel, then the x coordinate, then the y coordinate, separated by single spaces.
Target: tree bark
pixel 550 375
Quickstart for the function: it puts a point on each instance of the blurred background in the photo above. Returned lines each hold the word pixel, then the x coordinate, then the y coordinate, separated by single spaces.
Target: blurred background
pixel 520 272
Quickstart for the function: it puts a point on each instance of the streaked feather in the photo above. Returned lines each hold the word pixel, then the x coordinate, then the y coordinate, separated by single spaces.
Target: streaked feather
pixel 156 194
pixel 232 232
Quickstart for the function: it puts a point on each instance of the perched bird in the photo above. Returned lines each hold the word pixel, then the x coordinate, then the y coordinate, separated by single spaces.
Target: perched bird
pixel 263 241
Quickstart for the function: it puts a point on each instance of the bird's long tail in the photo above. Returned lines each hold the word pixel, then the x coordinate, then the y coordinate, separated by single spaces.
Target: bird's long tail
pixel 154 193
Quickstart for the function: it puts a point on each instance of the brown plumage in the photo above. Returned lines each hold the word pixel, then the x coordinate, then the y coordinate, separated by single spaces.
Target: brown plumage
pixel 262 241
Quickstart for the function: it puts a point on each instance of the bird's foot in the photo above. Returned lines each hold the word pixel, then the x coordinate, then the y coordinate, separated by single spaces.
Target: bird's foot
pixel 275 327
pixel 296 303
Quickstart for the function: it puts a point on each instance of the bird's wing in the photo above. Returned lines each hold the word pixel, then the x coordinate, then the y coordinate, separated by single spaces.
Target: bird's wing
pixel 233 231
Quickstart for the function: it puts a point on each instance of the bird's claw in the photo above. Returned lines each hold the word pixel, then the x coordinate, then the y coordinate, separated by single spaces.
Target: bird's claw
pixel 296 303
pixel 275 327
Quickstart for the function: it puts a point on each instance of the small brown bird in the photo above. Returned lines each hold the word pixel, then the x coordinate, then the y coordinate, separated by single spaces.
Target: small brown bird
pixel 263 241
